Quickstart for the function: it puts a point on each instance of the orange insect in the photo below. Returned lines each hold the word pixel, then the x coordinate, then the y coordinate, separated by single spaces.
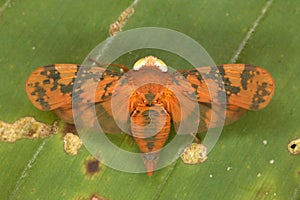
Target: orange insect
pixel 153 107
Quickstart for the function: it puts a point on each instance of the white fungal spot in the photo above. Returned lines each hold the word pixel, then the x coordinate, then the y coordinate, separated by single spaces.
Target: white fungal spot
pixel 229 168
pixel 265 142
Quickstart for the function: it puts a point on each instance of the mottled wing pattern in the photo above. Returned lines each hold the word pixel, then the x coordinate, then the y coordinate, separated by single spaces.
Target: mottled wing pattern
pixel 244 87
pixel 51 88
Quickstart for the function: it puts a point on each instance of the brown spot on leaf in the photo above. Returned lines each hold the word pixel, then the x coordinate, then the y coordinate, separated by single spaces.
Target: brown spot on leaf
pixel 92 167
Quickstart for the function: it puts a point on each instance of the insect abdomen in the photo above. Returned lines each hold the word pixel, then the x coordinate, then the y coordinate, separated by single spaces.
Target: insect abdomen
pixel 150 127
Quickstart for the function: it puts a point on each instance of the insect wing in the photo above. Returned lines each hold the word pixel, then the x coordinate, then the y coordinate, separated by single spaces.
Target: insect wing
pixel 246 86
pixel 50 87
pixel 243 87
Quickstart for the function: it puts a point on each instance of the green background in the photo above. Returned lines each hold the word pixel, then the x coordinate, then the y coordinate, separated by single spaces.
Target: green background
pixel 35 33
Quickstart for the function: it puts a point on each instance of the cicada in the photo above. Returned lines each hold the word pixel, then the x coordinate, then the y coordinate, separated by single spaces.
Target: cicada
pixel 151 107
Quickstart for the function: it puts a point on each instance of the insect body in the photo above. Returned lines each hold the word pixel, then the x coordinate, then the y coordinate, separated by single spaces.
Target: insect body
pixel 145 97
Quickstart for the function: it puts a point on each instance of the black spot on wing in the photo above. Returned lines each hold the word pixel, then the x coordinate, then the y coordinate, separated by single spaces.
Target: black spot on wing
pixel 246 75
pixel 65 89
pixel 193 72
pixel 51 74
pixel 260 96
pixel 46 82
pixel 40 93
pixel 227 84
pixel 96 76
pixel 106 94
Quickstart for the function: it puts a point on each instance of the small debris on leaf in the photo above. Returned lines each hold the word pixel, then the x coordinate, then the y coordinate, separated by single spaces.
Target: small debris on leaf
pixel 294 146
pixel 72 144
pixel 265 142
pixel 229 168
pixel 118 25
pixel 194 154
pixel 26 127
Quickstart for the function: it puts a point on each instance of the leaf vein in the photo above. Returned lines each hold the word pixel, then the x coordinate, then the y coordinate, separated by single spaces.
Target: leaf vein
pixel 250 32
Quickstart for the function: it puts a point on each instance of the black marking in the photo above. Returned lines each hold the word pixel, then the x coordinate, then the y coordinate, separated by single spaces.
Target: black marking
pixel 45 82
pixel 87 75
pixel 259 96
pixel 150 145
pixel 67 88
pixel 193 72
pixel 106 94
pixel 77 94
pixel 150 96
pixel 107 86
pixel 53 74
pixel 234 90
pixel 195 86
pixel 246 75
pixel 227 84
pixel 40 92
